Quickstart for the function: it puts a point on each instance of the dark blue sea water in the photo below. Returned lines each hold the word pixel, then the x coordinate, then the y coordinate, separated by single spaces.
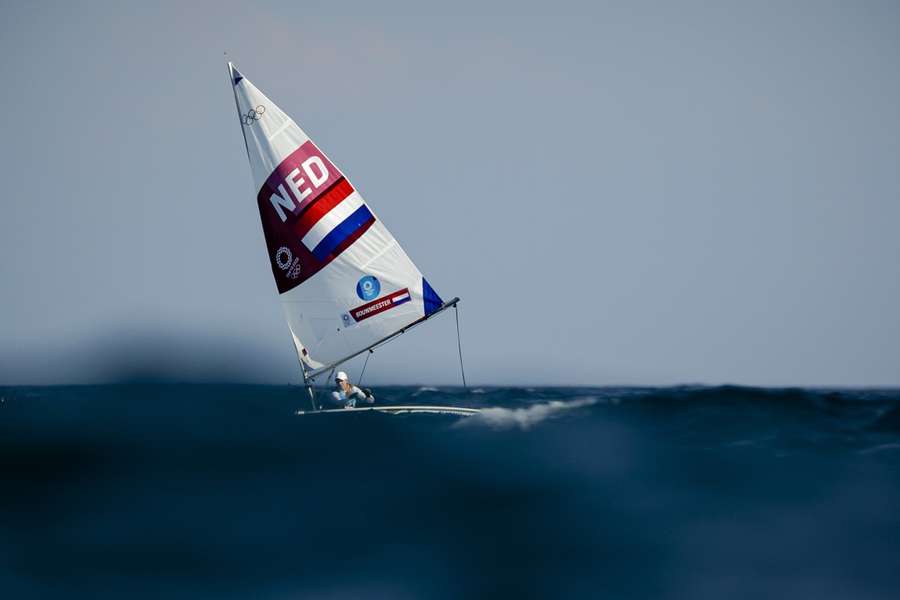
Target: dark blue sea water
pixel 173 491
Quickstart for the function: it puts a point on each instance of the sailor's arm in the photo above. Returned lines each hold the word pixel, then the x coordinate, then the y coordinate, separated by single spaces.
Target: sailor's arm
pixel 364 396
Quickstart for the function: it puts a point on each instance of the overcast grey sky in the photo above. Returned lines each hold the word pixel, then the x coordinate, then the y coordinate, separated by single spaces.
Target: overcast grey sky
pixel 620 192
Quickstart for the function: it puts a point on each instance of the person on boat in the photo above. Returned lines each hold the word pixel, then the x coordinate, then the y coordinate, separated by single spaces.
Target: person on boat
pixel 347 394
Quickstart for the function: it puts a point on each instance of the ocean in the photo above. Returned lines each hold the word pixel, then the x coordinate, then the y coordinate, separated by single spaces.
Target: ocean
pixel 220 491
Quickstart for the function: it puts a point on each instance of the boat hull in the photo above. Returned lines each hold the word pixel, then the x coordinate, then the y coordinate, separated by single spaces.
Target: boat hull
pixel 398 410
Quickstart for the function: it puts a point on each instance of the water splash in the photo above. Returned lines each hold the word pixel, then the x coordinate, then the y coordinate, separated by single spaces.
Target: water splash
pixel 527 417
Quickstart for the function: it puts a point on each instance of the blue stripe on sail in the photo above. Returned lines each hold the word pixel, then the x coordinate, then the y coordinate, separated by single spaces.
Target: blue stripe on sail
pixel 431 298
pixel 343 231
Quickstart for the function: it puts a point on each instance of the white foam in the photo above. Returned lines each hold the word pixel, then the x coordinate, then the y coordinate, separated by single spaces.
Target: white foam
pixel 524 418
pixel 424 389
pixel 881 448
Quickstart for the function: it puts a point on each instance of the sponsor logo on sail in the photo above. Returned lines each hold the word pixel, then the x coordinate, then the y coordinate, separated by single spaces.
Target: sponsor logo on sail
pixel 380 305
pixel 368 287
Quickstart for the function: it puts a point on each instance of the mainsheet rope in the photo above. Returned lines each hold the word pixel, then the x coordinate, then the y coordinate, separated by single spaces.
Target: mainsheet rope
pixel 462 369
pixel 363 372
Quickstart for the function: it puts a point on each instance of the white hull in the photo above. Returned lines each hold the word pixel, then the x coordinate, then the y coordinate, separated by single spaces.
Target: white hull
pixel 399 410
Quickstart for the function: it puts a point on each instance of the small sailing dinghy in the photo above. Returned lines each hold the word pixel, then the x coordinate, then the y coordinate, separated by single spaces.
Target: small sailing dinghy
pixel 346 285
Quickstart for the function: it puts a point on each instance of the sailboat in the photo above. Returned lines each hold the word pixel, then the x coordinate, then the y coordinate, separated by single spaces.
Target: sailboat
pixel 345 284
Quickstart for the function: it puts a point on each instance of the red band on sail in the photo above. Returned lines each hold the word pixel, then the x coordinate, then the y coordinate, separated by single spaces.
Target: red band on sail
pixel 380 305
pixel 324 203
pixel 309 169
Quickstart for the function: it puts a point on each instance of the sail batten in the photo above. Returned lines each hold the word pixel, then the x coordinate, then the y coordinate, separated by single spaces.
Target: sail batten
pixel 344 281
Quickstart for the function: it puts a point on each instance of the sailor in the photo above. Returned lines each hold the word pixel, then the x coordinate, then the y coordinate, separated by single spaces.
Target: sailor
pixel 347 394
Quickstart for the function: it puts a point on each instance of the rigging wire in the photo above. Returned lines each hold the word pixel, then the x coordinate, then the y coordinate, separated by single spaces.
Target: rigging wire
pixel 308 384
pixel 462 369
pixel 363 372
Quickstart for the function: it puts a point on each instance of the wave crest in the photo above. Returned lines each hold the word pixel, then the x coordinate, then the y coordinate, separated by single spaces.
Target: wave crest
pixel 527 417
pixel 425 389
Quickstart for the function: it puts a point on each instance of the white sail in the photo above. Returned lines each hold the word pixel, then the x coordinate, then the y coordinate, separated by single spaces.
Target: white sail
pixel 344 281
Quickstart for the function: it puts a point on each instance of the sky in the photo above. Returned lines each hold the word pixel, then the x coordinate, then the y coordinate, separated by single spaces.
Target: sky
pixel 621 193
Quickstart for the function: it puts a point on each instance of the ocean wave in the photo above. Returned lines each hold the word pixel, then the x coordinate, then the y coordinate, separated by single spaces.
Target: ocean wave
pixel 880 448
pixel 596 466
pixel 888 420
pixel 423 390
pixel 527 417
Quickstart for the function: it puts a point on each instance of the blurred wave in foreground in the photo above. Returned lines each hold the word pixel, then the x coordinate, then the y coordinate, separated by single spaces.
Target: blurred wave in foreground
pixel 218 491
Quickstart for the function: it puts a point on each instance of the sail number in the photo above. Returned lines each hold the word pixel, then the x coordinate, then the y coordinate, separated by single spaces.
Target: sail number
pixel 301 185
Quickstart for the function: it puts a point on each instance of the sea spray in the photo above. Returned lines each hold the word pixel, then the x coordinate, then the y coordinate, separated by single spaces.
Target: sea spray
pixel 526 417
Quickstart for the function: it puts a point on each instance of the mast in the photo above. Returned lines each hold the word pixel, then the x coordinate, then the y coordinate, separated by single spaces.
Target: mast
pixel 231 71
pixel 308 383
pixel 237 104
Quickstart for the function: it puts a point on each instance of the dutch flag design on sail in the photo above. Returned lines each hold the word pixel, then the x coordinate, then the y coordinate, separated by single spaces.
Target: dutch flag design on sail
pixel 310 211
pixel 337 216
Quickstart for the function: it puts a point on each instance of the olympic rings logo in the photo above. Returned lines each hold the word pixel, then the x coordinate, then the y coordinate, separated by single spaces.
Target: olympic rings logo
pixel 285 261
pixel 253 115
pixel 283 258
